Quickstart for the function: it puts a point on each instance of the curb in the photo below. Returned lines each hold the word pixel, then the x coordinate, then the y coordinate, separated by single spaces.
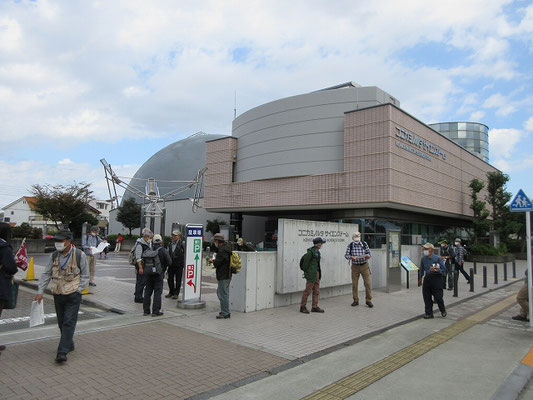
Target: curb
pixel 84 301
pixel 514 383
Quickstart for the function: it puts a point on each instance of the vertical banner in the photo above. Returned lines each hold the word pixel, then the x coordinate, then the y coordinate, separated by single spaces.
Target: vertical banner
pixel 193 262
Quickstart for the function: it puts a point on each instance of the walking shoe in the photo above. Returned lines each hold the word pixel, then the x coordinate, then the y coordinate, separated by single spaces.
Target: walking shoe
pixel 92 284
pixel 168 296
pixel 317 309
pixel 2 347
pixel 428 316
pixel 139 300
pixel 304 310
pixel 355 303
pixel 450 288
pixel 157 314
pixel 220 316
pixel 175 297
pixel 443 314
pixel 520 318
pixel 369 304
pixel 72 348
pixel 146 313
pixel 61 357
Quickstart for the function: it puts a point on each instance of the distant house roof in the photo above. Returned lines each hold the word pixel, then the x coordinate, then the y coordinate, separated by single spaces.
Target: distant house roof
pixel 31 202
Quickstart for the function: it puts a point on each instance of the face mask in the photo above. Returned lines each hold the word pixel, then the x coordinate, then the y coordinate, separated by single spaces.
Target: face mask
pixel 93 233
pixel 457 243
pixel 60 246
pixel 426 252
pixel 357 241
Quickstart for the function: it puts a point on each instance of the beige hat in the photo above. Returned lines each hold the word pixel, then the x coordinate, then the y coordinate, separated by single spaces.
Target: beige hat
pixel 219 237
pixel 356 235
pixel 428 246
pixel 176 233
pixel 158 238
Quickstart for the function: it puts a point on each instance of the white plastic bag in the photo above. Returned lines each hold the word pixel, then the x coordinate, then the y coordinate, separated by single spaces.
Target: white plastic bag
pixel 36 314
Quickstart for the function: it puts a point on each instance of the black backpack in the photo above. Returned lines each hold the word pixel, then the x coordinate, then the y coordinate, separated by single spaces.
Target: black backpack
pixel 151 261
pixel 302 262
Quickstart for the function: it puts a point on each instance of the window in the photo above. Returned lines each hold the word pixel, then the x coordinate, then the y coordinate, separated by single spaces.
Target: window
pixel 7 219
pixel 12 212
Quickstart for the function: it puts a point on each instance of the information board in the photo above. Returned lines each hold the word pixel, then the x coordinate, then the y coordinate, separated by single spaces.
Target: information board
pixel 408 264
pixel 193 262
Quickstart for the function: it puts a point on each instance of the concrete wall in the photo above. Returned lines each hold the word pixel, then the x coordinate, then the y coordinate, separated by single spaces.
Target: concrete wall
pixel 254 288
pixel 298 134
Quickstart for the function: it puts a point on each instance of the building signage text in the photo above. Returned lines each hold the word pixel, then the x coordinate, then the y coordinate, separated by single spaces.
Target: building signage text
pixel 419 143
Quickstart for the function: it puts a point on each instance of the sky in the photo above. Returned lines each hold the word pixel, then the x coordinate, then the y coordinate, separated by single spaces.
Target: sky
pixel 120 80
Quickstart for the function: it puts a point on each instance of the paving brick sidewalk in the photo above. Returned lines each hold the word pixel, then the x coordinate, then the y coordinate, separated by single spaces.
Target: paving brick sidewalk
pixel 153 360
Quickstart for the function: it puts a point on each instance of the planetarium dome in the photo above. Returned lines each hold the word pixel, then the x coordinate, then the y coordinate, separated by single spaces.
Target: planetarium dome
pixel 179 161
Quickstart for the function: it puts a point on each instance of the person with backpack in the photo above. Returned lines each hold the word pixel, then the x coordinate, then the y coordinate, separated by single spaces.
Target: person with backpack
pixel 8 267
pixel 460 255
pixel 358 253
pixel 310 264
pixel 223 272
pixel 88 242
pixel 142 243
pixel 432 270
pixel 68 271
pixel 448 256
pixel 155 261
pixel 176 249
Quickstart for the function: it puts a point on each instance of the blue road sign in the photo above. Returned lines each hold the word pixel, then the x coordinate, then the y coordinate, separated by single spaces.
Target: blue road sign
pixel 521 203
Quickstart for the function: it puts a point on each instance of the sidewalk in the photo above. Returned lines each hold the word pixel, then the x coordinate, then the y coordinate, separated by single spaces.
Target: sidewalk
pixel 190 348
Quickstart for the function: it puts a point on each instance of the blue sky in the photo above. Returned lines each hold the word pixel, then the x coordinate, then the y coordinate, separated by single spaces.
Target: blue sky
pixel 81 81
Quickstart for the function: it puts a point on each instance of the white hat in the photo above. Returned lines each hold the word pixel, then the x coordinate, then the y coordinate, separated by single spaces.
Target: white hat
pixel 158 238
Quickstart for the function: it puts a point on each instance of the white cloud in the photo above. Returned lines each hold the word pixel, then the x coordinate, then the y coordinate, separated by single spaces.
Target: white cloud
pixel 24 174
pixel 502 142
pixel 528 125
pixel 10 34
pixel 477 116
pixel 509 166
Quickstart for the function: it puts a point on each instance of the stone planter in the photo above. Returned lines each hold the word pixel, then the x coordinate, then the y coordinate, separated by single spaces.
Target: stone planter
pixel 491 259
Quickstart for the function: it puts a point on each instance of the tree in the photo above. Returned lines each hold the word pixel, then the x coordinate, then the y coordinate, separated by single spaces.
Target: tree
pixel 503 220
pixel 64 205
pixel 129 214
pixel 480 224
pixel 213 226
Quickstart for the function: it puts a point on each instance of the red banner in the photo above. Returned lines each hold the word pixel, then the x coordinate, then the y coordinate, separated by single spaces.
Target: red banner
pixel 22 256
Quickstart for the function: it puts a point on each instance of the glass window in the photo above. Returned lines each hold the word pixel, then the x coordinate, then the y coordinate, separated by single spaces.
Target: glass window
pixel 472 127
pixel 370 226
pixel 461 134
pixel 461 126
pixel 452 135
pixel 444 127
pixel 375 241
pixel 452 126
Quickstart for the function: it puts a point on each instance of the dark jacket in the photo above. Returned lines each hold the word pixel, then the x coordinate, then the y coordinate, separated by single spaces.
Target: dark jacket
pixel 222 261
pixel 164 257
pixel 178 255
pixel 311 264
pixel 9 268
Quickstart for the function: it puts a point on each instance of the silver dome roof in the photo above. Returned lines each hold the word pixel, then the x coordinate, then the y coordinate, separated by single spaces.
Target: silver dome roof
pixel 179 161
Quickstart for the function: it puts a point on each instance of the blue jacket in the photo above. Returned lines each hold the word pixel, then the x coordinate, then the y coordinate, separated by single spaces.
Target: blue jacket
pixel 427 262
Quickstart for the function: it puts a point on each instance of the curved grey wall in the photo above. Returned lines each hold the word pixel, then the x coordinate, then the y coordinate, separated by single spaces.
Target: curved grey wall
pixel 299 135
pixel 179 161
pixel 473 136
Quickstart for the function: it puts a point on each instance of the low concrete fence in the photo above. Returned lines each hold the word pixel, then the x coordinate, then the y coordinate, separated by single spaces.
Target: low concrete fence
pixel 254 288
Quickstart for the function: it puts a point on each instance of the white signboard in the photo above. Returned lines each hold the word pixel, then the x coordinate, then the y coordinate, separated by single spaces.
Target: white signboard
pixel 296 236
pixel 193 262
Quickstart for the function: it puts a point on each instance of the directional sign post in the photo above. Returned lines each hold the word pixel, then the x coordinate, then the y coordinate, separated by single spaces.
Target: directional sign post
pixel 192 280
pixel 521 203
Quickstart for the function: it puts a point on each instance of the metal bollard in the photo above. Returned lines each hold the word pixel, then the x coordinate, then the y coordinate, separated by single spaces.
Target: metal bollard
pixel 471 279
pixel 514 269
pixel 455 285
pixel 504 272
pixel 484 276
pixel 475 268
pixel 495 274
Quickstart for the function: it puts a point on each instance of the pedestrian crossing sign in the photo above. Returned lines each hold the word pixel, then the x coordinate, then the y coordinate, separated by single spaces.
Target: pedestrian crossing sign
pixel 521 203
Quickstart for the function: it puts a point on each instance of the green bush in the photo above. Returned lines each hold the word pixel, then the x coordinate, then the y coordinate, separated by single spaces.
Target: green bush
pixel 514 245
pixel 24 230
pixel 484 249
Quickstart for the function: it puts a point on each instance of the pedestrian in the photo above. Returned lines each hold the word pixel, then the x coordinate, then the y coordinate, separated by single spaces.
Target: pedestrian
pixel 448 256
pixel 118 243
pixel 155 261
pixel 8 267
pixel 176 250
pixel 358 253
pixel 460 254
pixel 522 298
pixel 313 274
pixel 241 245
pixel 223 274
pixel 68 271
pixel 142 243
pixel 433 270
pixel 106 249
pixel 88 243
